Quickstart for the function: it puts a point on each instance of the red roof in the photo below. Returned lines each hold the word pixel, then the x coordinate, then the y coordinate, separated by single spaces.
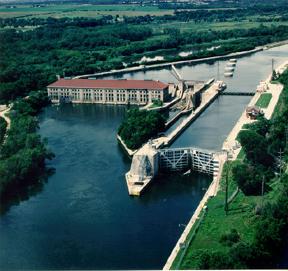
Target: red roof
pixel 113 84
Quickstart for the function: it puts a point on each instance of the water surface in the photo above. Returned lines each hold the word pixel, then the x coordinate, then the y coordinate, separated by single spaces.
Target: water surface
pixel 84 218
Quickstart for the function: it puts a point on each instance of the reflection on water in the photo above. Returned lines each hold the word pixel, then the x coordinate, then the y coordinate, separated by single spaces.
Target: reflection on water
pixel 19 192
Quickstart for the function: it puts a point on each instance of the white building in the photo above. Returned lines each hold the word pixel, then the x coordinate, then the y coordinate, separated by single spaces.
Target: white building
pixel 107 91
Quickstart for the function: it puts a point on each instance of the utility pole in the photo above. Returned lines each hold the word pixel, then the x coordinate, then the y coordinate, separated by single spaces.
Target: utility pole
pixel 272 65
pixel 218 71
pixel 280 162
pixel 226 188
pixel 286 136
pixel 262 191
pixel 262 188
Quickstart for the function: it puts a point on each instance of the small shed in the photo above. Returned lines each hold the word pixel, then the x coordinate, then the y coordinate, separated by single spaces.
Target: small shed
pixel 253 112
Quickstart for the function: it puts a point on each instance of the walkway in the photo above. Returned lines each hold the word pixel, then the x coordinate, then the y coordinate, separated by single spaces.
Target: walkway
pixel 230 144
pixel 3 111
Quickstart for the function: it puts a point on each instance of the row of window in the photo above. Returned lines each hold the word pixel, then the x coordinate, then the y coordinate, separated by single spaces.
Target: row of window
pixel 110 96
pixel 153 92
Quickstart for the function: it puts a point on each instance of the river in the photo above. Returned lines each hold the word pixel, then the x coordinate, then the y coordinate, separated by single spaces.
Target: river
pixel 83 218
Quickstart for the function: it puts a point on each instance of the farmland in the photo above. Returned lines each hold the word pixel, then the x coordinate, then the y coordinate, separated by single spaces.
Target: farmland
pixel 79 10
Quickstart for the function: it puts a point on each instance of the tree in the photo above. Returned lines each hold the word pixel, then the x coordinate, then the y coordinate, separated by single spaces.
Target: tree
pixel 275 76
pixel 139 126
pixel 255 147
pixel 248 178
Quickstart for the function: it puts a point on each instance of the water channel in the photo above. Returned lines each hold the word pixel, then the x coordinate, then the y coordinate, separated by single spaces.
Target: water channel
pixel 83 218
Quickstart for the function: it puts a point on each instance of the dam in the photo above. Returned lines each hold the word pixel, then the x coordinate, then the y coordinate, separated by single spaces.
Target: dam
pixel 149 161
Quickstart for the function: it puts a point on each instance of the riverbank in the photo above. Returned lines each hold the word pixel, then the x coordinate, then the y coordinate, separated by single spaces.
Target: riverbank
pixel 23 152
pixel 124 146
pixel 187 258
pixel 180 62
pixel 187 235
pixel 165 65
pixel 231 144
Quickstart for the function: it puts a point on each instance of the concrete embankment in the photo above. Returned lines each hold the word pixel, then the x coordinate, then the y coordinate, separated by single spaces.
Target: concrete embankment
pixel 187 111
pixel 211 192
pixel 176 117
pixel 229 143
pixel 209 97
pixel 160 108
pixel 129 151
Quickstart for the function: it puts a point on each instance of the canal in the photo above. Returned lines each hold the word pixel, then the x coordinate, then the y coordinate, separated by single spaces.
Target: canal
pixel 83 217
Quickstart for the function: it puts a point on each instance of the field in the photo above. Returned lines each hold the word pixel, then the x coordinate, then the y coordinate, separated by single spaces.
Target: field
pixel 79 10
pixel 216 223
pixel 218 26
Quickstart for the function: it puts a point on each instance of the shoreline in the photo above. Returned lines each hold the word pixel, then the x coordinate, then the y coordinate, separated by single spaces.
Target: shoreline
pixel 180 62
pixel 123 145
pixel 233 133
pixel 176 62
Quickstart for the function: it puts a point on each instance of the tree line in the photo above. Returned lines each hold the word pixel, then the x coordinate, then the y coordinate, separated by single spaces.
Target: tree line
pixel 29 60
pixel 23 155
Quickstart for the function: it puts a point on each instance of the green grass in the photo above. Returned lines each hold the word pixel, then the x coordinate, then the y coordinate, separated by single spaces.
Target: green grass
pixel 192 26
pixel 81 10
pixel 241 156
pixel 281 105
pixel 264 100
pixel 179 258
pixel 216 223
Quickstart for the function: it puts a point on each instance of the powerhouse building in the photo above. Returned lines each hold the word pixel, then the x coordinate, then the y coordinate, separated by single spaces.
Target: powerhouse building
pixel 107 91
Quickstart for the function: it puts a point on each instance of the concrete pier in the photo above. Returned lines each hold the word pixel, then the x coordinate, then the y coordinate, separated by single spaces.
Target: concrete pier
pixel 208 97
pixel 144 167
pixel 148 161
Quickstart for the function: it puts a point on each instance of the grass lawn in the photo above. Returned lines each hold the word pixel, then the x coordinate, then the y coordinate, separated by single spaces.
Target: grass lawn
pixel 264 100
pixel 241 155
pixel 216 223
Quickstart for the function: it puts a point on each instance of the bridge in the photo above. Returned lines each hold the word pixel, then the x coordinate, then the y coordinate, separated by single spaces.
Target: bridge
pixel 237 93
pixel 149 161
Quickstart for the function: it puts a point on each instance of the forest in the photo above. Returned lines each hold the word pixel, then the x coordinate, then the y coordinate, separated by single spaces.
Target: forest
pixel 33 50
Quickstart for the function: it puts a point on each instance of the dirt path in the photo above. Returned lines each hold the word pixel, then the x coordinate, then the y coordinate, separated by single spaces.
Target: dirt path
pixel 3 111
